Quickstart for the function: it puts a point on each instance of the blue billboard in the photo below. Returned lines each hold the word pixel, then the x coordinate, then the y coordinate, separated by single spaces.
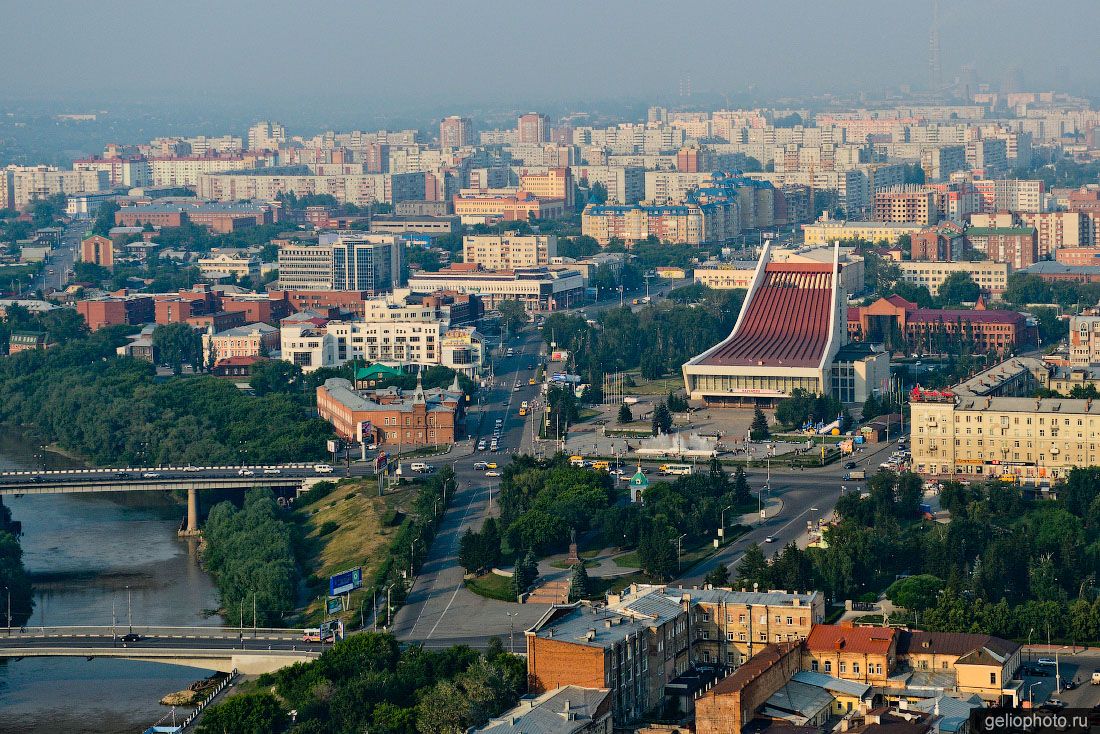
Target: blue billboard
pixel 346 581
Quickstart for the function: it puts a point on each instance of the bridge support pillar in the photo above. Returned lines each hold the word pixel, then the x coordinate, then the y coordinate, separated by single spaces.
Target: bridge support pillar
pixel 192 513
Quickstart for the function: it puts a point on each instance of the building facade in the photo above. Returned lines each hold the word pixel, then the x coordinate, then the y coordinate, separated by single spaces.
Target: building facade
pixel 391 417
pixel 509 251
pixel 538 289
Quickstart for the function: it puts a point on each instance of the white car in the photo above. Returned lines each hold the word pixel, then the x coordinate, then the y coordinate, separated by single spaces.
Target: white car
pixel 190 468
pixel 323 469
pixel 481 445
pixel 492 473
pixel 273 471
pixel 769 539
pixel 246 473
pixel 150 475
pixel 1045 661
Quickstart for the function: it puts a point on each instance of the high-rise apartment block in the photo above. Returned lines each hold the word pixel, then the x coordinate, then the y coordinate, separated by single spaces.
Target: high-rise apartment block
pixel 456 132
pixel 371 263
pixel 266 136
pixel 533 128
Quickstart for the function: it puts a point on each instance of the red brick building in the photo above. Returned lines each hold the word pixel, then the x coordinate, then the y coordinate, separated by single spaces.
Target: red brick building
pixel 942 243
pixel 98 250
pixel 1078 255
pixel 733 701
pixel 116 309
pixel 421 418
pixel 1017 246
pixel 893 318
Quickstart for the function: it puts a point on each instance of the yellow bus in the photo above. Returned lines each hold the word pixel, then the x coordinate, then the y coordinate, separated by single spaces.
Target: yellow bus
pixel 678 469
pixel 604 465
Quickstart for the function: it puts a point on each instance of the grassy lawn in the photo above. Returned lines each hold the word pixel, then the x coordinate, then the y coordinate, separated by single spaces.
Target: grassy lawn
pixel 587 414
pixel 493 586
pixel 627 560
pixel 358 539
pixel 598 587
pixel 654 387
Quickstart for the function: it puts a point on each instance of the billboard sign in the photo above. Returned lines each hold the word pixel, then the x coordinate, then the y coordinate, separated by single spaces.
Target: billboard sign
pixel 335 604
pixel 380 461
pixel 559 355
pixel 346 581
pixel 366 432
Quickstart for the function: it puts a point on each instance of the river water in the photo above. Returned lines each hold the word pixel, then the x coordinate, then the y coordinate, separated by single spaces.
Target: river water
pixel 94 558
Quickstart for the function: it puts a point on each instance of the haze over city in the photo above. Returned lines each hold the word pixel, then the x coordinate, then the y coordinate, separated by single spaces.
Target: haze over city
pixel 571 368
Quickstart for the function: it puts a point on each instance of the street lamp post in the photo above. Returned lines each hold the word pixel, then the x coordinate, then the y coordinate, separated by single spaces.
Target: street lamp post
pixel 511 631
pixel 8 589
pixel 129 612
pixel 679 548
pixel 1031 695
pixel 722 530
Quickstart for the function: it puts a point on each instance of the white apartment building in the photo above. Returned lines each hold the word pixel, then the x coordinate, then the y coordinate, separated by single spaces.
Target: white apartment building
pixel 538 289
pixel 624 184
pixel 266 136
pixel 20 185
pixel 187 171
pixel 222 264
pixel 356 188
pixel 662 187
pixel 391 339
pixel 990 276
pixel 508 252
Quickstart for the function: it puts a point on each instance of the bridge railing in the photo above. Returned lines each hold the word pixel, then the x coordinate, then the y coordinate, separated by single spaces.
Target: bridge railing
pixel 150 631
pixel 134 469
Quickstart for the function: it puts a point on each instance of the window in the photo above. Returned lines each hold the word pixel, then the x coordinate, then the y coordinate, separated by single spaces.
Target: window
pixel 813 666
pixel 763 636
pixel 843 668
pixel 992 679
pixel 828 666
pixel 729 636
pixel 855 668
pixel 741 636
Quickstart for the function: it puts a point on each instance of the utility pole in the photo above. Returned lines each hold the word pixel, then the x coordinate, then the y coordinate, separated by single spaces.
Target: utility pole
pixel 8 589
pixel 129 612
pixel 253 613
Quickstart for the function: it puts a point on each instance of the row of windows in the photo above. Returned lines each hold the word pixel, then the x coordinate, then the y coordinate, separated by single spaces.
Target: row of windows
pixel 872 668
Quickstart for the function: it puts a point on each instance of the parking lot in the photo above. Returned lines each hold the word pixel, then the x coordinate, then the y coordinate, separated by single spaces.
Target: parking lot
pixel 1072 667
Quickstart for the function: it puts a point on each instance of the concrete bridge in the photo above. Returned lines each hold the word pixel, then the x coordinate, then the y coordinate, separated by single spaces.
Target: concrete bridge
pixel 163 479
pixel 247 650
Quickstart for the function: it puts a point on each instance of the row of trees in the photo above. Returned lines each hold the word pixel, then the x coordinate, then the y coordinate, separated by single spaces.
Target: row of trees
pixel 250 553
pixel 368 682
pixel 13 575
pixel 112 410
pixel 1000 559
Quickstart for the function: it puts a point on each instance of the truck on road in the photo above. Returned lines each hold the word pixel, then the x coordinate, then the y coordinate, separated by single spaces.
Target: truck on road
pixel 855 475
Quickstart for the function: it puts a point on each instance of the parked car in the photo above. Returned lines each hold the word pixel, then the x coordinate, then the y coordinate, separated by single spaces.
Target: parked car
pixel 1046 661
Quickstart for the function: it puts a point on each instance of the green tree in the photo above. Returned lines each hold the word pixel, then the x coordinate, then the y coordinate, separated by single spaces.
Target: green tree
pixel 597 193
pixel 469 551
pixel 662 419
pixel 718 576
pixel 758 430
pixel 578 582
pixel 915 593
pixel 676 403
pixel 753 568
pixel 250 713
pixel 657 552
pixel 275 376
pixel 959 288
pixel 741 494
pixel 513 315
pixel 625 416
pixel 177 345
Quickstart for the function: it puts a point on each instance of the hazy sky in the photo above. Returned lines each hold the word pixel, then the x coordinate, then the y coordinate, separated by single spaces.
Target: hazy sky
pixel 481 54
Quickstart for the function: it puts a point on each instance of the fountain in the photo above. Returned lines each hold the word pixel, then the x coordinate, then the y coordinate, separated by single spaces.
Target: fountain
pixel 679 445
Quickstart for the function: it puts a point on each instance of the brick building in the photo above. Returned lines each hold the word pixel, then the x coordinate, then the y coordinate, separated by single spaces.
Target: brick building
pixel 98 250
pixel 116 309
pixel 633 647
pixel 942 243
pixel 906 205
pixel 1017 246
pixel 1078 256
pixel 732 702
pixel 391 416
pixel 250 340
pixel 893 319
pixel 864 654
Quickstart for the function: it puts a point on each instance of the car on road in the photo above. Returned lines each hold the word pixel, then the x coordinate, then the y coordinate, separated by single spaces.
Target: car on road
pixel 769 539
pixel 850 465
pixel 1045 661
pixel 190 468
pixel 38 479
pixel 617 472
pixel 131 637
pixel 499 422
pixel 481 445
pixel 323 468
pixel 1053 704
pixel 492 473
pixel 121 475
pixel 480 466
pixel 531 381
pixel 246 473
pixel 150 475
pixel 273 471
pixel 516 388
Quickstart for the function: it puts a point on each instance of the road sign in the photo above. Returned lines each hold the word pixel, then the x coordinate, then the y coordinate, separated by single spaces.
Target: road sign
pixel 344 582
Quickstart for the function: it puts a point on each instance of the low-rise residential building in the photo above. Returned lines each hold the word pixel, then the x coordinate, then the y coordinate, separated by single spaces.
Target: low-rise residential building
pixel 250 340
pixel 565 710
pixel 991 277
pixel 218 217
pixel 863 654
pixel 1015 246
pixel 509 251
pixel 23 341
pixel 219 265
pixel 403 224
pixel 731 626
pixel 538 289
pixel 390 416
pixel 980 664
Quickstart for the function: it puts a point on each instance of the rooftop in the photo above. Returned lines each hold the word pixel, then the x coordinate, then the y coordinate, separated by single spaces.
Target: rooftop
pixel 916 642
pixel 560 711
pixel 832 637
pixel 752 668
